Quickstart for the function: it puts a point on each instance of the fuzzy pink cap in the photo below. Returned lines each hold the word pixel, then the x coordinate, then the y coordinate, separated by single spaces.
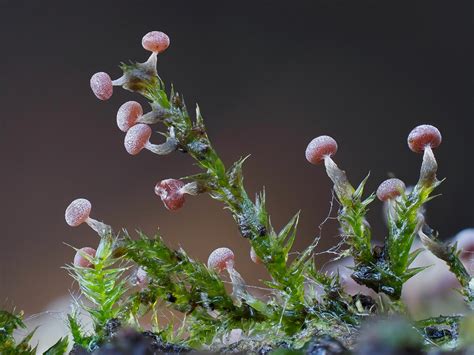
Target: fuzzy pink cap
pixel 390 189
pixel 221 259
pixel 169 192
pixel 319 148
pixel 80 260
pixel 423 136
pixel 155 41
pixel 136 138
pixel 101 85
pixel 128 114
pixel 77 212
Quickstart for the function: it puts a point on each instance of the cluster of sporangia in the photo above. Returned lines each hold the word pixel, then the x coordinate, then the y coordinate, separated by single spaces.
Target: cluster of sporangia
pixel 130 119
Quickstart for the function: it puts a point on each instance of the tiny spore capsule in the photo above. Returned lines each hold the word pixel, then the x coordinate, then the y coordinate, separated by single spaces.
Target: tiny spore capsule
pixel 170 193
pixel 80 260
pixel 137 138
pixel 78 212
pixel 221 259
pixel 390 189
pixel 155 41
pixel 422 136
pixel 319 148
pixel 128 114
pixel 101 85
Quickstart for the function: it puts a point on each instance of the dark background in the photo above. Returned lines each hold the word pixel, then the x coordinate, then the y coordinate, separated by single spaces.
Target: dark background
pixel 269 76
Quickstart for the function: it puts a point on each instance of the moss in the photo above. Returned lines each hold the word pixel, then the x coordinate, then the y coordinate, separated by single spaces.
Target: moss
pixel 295 318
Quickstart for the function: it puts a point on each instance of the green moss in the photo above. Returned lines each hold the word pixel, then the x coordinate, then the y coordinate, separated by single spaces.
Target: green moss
pixel 294 318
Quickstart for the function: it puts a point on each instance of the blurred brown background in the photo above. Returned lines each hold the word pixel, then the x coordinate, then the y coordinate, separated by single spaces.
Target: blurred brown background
pixel 269 77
